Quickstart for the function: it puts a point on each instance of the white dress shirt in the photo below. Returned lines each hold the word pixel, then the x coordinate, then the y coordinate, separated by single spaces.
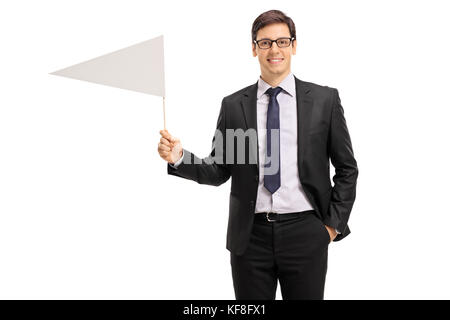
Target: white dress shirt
pixel 290 197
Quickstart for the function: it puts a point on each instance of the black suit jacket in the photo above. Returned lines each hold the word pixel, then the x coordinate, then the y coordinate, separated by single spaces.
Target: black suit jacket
pixel 322 136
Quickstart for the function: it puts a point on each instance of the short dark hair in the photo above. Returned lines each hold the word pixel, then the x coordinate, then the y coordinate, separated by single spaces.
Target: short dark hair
pixel 270 17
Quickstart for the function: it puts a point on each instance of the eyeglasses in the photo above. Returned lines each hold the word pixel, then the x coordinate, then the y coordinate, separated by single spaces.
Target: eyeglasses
pixel 267 43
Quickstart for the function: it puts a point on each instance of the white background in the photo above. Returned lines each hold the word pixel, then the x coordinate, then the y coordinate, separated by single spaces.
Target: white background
pixel 87 210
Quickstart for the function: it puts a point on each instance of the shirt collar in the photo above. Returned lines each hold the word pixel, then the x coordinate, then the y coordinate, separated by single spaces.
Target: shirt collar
pixel 288 85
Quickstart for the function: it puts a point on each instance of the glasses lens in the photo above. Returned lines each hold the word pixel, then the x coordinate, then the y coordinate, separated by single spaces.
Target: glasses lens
pixel 264 44
pixel 282 43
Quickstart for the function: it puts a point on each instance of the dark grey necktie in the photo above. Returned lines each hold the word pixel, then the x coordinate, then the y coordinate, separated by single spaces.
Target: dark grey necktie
pixel 272 181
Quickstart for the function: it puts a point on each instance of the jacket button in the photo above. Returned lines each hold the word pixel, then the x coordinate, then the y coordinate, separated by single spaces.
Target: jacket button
pixel 252 203
pixel 256 178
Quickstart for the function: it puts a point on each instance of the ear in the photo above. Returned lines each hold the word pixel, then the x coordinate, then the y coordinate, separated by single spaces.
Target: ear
pixel 254 49
pixel 294 46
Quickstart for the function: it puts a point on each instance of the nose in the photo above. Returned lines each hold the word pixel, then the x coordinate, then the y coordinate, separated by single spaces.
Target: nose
pixel 274 47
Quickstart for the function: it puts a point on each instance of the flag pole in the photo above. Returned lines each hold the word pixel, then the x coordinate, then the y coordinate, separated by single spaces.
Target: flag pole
pixel 164 111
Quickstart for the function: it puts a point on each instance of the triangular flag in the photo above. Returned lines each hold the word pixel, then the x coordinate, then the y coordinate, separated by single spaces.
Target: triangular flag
pixel 139 67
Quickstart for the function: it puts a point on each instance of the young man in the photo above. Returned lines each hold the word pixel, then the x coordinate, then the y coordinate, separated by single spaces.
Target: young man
pixel 283 212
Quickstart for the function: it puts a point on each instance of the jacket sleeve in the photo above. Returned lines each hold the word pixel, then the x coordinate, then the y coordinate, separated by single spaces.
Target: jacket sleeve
pixel 346 170
pixel 211 170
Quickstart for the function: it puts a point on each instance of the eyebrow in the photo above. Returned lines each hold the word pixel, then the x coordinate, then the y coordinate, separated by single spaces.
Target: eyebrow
pixel 274 39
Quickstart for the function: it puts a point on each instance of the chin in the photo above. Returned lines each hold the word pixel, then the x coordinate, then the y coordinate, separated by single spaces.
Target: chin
pixel 276 70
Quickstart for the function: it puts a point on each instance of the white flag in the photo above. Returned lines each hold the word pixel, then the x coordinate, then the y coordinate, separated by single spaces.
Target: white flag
pixel 139 68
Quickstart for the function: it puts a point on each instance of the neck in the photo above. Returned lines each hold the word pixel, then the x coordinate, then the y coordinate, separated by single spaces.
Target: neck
pixel 274 79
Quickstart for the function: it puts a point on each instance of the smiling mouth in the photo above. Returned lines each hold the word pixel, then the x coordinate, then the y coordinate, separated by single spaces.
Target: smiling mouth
pixel 275 60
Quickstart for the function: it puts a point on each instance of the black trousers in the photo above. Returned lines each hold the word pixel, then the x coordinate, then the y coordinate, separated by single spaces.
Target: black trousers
pixel 292 250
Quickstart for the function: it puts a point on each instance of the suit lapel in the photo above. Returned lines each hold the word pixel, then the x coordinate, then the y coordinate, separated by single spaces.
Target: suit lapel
pixel 304 112
pixel 248 105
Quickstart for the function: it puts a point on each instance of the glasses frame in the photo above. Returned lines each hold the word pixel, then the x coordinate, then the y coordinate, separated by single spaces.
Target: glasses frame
pixel 272 41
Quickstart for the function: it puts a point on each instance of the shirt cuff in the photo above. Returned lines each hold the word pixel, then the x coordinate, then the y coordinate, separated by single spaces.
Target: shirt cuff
pixel 176 164
pixel 337 231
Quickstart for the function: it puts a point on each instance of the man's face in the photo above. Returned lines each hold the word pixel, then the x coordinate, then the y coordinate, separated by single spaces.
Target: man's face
pixel 269 66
